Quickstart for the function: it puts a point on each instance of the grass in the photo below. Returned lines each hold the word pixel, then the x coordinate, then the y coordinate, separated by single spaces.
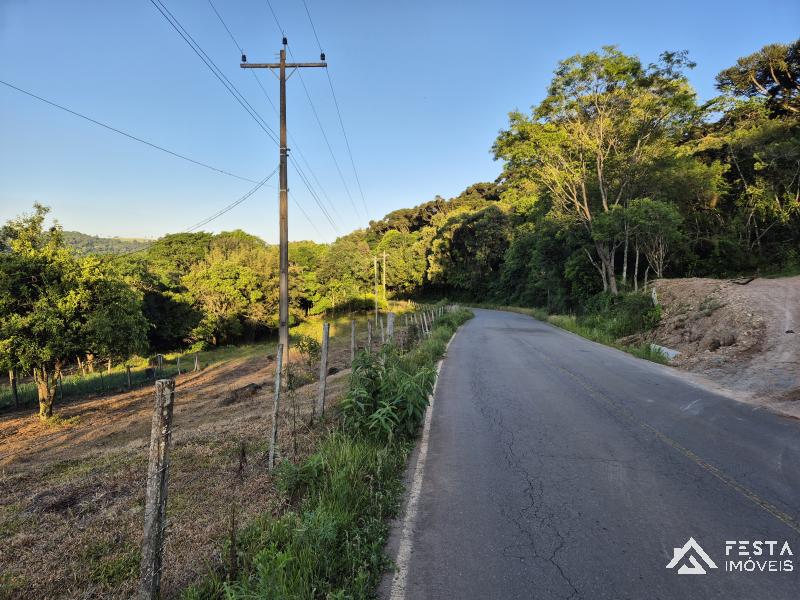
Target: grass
pixel 76 385
pixel 102 382
pixel 595 327
pixel 331 544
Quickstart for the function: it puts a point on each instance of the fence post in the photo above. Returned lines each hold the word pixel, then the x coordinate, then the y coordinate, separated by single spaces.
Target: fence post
pixel 352 341
pixel 390 326
pixel 128 371
pixel 383 337
pixel 179 365
pixel 323 370
pixel 275 405
pixel 369 336
pixel 160 358
pixel 196 362
pixel 155 510
pixel 12 378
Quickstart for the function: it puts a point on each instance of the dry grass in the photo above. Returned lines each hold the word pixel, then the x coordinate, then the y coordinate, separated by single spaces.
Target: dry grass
pixel 71 513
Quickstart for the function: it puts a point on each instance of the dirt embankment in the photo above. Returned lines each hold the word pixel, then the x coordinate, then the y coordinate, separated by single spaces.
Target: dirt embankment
pixel 743 337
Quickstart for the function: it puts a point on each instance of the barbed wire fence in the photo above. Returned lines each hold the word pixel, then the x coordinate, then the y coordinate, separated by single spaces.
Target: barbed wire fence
pixel 187 481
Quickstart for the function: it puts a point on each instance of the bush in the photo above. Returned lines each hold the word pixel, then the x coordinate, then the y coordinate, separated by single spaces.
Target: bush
pixel 309 348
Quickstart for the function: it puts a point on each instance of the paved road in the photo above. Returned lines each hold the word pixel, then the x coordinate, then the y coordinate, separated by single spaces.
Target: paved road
pixel 559 468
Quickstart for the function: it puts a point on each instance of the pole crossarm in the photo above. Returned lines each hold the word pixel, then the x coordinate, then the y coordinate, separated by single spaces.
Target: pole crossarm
pixel 278 65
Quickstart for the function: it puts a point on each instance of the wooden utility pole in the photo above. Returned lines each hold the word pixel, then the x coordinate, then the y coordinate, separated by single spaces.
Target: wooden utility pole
pixel 383 275
pixel 375 279
pixel 283 198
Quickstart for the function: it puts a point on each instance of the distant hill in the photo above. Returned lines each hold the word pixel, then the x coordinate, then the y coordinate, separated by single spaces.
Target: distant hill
pixel 84 244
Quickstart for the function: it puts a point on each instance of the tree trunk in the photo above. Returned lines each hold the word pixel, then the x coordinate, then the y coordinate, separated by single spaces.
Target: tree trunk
pixel 625 256
pixel 607 264
pixel 636 271
pixel 46 387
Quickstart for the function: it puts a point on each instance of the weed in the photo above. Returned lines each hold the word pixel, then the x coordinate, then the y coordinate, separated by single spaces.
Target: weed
pixel 332 545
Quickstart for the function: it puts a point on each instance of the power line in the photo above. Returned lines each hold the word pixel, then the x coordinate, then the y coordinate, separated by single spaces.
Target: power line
pixel 325 137
pixel 272 104
pixel 126 134
pixel 274 16
pixel 260 120
pixel 198 50
pixel 338 112
pixel 207 220
pixel 232 205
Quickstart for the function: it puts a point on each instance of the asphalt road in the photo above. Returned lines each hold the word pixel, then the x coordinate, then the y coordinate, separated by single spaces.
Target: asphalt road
pixel 560 468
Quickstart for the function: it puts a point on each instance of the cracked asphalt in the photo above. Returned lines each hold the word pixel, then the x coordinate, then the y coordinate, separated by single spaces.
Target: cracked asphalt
pixel 560 468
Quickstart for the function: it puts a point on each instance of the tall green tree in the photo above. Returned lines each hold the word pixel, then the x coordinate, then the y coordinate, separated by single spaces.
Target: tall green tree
pixel 55 306
pixel 605 121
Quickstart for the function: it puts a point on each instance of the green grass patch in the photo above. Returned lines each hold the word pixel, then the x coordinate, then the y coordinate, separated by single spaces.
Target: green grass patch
pixel 331 545
pixel 109 566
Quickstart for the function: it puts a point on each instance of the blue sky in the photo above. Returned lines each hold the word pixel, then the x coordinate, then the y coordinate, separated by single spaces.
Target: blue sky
pixel 423 88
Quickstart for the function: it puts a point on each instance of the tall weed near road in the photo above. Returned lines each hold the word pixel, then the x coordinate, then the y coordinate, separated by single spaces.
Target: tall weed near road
pixel 331 545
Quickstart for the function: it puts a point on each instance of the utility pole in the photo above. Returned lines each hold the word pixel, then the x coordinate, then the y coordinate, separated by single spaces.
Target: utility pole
pixel 383 275
pixel 283 199
pixel 375 279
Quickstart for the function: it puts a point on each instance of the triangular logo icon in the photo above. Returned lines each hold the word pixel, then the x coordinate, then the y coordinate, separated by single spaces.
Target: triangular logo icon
pixel 687 557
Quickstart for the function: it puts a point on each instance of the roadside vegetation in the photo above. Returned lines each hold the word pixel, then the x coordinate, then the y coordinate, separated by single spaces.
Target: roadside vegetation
pixel 619 176
pixel 330 544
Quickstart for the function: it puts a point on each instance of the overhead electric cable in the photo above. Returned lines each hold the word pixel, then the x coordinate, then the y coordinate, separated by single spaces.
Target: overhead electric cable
pixel 232 89
pixel 274 108
pixel 338 112
pixel 126 134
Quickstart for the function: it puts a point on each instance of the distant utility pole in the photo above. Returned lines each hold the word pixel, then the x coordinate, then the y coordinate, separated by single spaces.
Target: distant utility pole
pixel 383 275
pixel 375 279
pixel 283 313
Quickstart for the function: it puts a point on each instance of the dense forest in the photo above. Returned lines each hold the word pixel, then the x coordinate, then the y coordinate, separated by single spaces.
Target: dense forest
pixel 93 244
pixel 617 177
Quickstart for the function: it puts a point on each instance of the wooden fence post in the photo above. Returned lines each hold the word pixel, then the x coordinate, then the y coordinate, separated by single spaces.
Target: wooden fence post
pixel 323 370
pixel 383 337
pixel 128 371
pixel 275 405
pixel 352 341
pixel 12 378
pixel 155 510
pixel 179 365
pixel 369 336
pixel 196 362
pixel 390 326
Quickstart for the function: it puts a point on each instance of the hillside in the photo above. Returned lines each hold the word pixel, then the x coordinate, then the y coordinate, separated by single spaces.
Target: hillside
pixel 84 244
pixel 744 337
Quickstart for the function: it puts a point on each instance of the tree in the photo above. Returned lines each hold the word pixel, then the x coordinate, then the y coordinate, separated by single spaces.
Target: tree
pixel 468 250
pixel 606 119
pixel 656 227
pixel 54 306
pixel 772 73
